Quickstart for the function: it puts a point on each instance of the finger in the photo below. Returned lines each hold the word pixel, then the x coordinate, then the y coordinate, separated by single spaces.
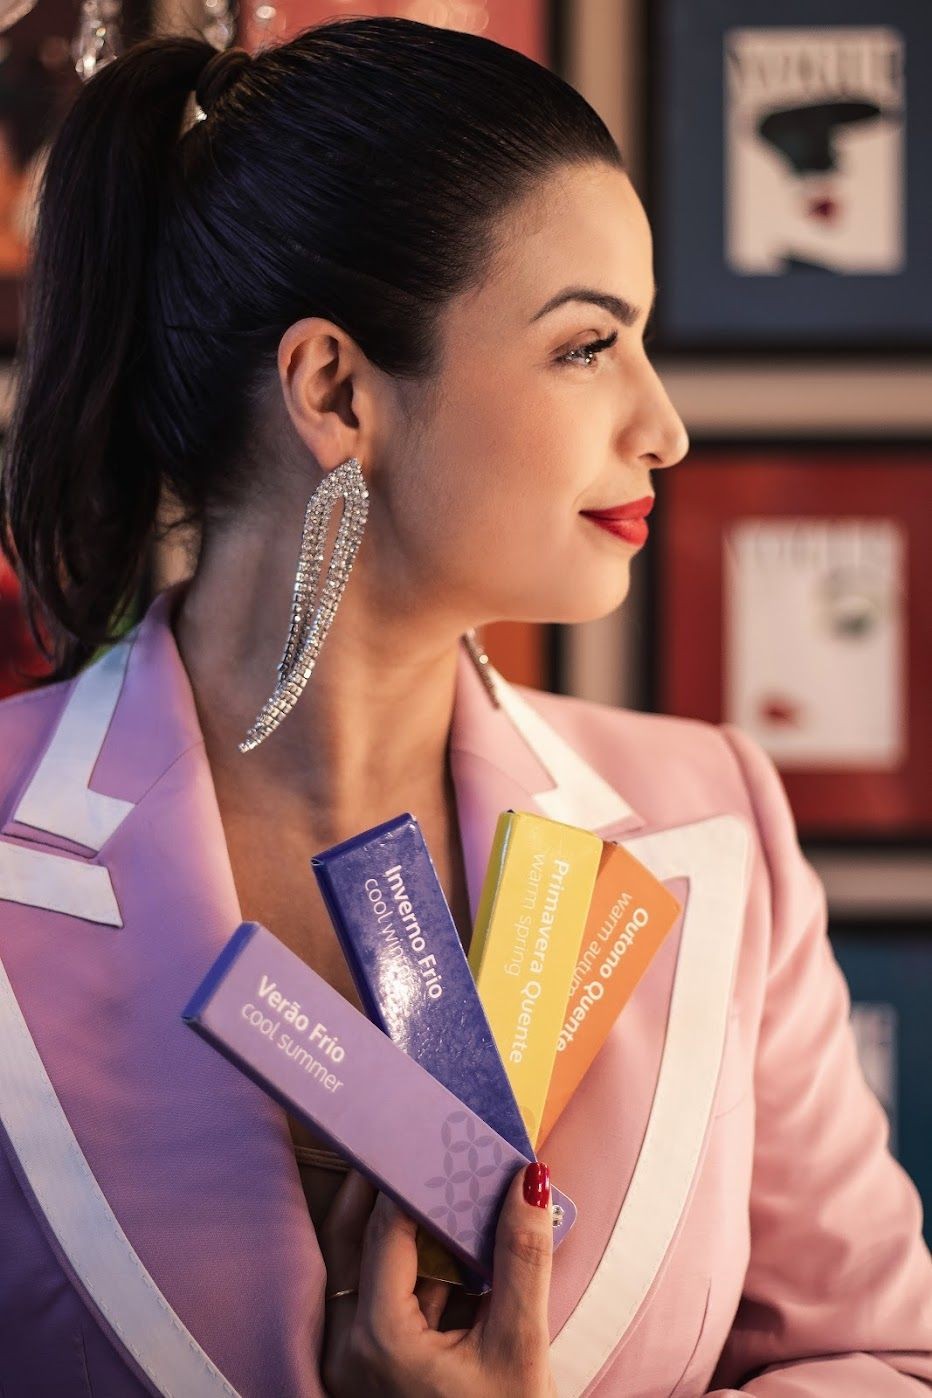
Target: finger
pixel 432 1294
pixel 521 1264
pixel 341 1234
pixel 388 1266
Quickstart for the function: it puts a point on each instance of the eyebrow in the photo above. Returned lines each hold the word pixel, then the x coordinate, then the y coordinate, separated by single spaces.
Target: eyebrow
pixel 617 306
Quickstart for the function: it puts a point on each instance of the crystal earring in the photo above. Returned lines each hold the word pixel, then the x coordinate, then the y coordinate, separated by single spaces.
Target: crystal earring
pixel 308 630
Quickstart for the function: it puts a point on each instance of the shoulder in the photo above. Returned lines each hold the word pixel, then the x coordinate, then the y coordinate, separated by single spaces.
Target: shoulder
pixel 589 719
pixel 27 721
pixel 689 762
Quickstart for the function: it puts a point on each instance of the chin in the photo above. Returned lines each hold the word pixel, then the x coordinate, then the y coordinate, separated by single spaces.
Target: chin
pixel 593 602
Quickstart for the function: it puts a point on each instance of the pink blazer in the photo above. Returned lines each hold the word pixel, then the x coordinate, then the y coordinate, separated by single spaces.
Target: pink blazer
pixel 742 1225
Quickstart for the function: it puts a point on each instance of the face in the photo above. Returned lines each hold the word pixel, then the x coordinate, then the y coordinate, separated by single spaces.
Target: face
pixel 480 491
pixel 530 429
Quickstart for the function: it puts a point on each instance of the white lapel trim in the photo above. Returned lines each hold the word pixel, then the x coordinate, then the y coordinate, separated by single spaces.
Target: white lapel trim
pixel 58 798
pixel 580 795
pixel 61 885
pixel 89 1234
pixel 59 801
pixel 714 855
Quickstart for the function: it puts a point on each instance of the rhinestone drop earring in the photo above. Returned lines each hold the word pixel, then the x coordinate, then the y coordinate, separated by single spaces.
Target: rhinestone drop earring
pixel 308 630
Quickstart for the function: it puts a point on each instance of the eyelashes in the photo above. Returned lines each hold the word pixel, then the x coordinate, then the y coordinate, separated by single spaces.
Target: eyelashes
pixel 591 350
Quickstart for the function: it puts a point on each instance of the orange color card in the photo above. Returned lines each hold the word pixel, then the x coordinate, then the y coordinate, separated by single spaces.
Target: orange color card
pixel 630 914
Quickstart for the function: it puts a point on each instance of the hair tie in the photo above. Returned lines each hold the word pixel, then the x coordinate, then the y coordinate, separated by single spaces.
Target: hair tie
pixel 219 74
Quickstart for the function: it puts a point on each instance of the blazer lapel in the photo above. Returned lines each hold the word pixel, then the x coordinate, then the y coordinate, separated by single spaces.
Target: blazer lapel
pixel 124 794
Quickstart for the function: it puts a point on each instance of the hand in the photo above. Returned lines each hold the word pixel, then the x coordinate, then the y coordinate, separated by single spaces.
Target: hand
pixel 384 1339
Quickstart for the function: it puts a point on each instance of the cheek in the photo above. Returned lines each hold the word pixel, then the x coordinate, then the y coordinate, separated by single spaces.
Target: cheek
pixel 494 504
pixel 511 495
pixel 509 540
pixel 515 456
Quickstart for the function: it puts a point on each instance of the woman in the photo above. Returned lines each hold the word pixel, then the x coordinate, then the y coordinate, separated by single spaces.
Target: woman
pixel 406 265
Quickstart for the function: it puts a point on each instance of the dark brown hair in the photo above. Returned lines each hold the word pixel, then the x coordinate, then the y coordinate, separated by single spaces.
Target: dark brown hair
pixel 356 172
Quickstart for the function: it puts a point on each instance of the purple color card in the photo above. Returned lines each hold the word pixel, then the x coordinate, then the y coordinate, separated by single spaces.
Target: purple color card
pixel 280 1022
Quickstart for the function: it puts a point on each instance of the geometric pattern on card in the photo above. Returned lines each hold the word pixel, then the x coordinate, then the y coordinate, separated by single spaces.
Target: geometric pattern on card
pixel 472 1157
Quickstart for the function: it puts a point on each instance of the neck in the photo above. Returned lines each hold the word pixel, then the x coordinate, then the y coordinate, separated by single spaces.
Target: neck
pixel 369 733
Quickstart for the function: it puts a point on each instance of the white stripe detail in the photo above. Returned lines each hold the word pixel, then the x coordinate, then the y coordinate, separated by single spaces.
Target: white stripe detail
pixel 62 885
pixel 87 1230
pixel 714 855
pixel 581 795
pixel 58 798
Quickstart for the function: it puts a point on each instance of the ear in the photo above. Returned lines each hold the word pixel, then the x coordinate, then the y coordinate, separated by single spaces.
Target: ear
pixel 322 373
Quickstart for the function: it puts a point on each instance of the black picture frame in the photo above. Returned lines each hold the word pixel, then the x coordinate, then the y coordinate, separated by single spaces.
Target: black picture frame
pixel 888 969
pixel 703 304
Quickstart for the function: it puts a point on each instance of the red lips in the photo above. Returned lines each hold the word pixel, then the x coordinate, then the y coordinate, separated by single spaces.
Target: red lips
pixel 634 509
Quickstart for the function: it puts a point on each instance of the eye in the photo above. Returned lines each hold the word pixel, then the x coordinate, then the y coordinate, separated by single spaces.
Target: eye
pixel 593 348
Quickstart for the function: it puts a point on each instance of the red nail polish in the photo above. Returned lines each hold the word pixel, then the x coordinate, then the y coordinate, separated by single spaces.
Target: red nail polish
pixel 537 1184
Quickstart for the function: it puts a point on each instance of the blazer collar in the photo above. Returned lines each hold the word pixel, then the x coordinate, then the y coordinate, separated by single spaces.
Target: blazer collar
pixel 131 715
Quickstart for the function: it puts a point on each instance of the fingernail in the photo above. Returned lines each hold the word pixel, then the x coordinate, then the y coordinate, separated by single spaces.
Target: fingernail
pixel 537 1184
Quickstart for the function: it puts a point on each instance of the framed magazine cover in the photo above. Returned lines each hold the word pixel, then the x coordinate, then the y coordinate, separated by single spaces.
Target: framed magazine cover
pixel 791 593
pixel 791 173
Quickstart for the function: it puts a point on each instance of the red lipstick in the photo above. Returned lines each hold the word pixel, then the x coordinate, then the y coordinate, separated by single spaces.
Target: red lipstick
pixel 626 522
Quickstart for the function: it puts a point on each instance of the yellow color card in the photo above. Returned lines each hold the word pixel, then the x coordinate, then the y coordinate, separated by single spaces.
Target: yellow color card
pixel 630 914
pixel 526 944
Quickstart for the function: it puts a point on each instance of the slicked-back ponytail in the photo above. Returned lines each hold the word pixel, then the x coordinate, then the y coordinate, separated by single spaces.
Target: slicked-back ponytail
pixel 74 458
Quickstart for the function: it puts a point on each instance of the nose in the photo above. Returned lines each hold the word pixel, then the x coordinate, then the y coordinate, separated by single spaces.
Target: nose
pixel 664 440
pixel 676 443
